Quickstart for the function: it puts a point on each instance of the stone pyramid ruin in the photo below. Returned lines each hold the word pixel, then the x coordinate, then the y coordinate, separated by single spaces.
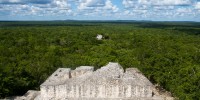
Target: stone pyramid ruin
pixel 110 82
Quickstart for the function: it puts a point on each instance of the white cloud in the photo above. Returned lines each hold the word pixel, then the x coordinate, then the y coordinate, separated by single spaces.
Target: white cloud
pixel 133 3
pixel 25 1
pixel 165 2
pixel 90 4
pixel 102 8
pixel 55 7
pixel 61 4
pixel 97 5
pixel 163 7
pixel 10 1
pixel 197 5
pixel 158 9
pixel 110 6
pixel 129 3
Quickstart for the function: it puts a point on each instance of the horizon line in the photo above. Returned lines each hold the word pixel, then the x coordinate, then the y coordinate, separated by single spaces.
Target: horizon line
pixel 97 20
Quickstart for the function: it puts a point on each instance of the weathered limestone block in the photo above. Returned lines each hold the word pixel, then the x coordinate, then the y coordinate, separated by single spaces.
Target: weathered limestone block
pixel 112 70
pixel 81 71
pixel 110 82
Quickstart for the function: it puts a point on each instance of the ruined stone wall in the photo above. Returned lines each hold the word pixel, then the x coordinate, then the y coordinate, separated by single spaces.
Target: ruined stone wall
pixel 108 82
pixel 94 91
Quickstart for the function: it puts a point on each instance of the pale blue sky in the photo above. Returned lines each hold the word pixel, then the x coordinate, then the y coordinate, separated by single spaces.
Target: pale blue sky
pixel 156 10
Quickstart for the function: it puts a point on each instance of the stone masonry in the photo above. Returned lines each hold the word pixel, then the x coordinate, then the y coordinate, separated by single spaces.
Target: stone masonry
pixel 110 82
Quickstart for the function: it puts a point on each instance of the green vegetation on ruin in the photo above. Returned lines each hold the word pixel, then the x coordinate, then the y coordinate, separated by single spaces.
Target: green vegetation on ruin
pixel 168 53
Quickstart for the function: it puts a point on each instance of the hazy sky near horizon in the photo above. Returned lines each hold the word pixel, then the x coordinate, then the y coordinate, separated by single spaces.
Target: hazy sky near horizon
pixel 157 10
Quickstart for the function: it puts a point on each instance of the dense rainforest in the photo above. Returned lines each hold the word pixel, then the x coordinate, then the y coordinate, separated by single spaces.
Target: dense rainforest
pixel 168 53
